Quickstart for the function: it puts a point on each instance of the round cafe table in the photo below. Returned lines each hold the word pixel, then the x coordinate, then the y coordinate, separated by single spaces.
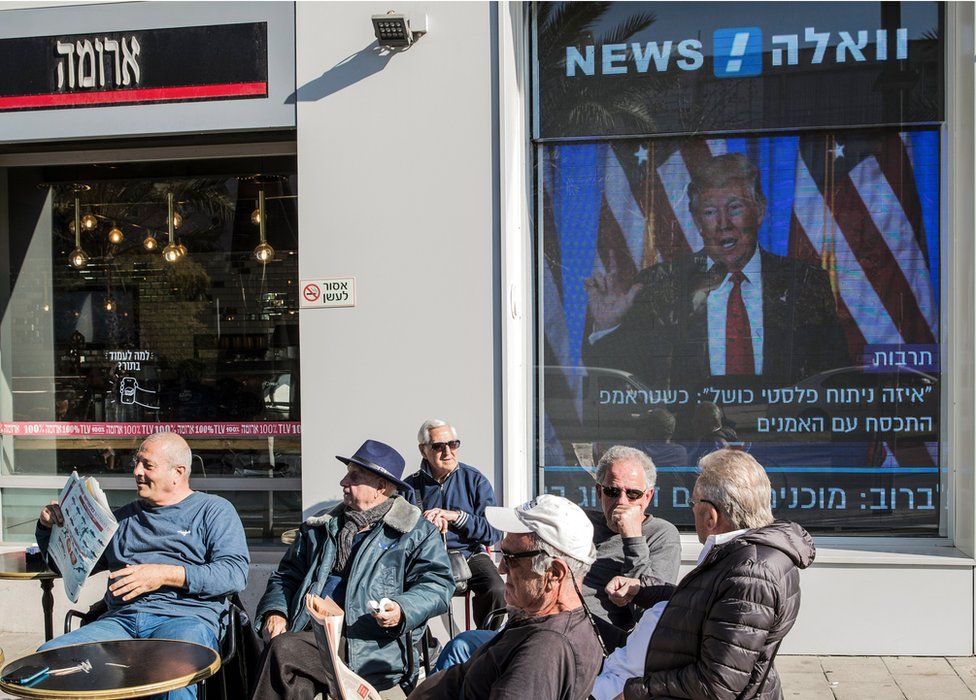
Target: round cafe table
pixel 13 566
pixel 125 668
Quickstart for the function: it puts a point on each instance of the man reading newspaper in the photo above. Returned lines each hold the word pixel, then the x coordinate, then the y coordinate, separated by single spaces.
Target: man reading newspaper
pixel 175 557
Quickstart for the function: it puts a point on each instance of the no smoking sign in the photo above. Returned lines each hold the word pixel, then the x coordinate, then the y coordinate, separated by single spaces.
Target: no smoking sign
pixel 334 292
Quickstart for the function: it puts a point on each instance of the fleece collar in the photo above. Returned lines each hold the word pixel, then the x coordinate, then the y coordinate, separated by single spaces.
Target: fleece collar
pixel 401 516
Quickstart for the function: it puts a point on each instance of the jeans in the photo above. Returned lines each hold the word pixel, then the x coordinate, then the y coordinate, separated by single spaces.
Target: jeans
pixel 130 624
pixel 460 649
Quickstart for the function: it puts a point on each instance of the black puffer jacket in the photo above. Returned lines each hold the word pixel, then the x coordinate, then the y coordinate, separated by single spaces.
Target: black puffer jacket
pixel 726 618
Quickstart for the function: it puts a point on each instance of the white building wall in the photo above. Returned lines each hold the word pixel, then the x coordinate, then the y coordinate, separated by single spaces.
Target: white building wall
pixel 396 175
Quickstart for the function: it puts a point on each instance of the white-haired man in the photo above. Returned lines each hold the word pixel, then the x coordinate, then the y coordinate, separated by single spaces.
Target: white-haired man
pixel 720 628
pixel 176 556
pixel 453 496
pixel 549 650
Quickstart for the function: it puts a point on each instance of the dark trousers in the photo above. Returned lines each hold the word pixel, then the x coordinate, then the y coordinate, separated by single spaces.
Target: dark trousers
pixel 292 668
pixel 487 586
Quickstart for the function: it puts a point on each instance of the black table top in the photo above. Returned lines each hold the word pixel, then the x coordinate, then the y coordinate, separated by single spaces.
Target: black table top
pixel 126 668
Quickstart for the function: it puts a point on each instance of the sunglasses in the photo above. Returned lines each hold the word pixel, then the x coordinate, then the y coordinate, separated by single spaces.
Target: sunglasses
pixel 615 491
pixel 440 446
pixel 509 557
pixel 693 501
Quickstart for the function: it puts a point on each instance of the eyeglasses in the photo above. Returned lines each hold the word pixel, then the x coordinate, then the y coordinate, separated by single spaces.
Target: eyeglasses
pixel 693 501
pixel 440 446
pixel 615 491
pixel 509 557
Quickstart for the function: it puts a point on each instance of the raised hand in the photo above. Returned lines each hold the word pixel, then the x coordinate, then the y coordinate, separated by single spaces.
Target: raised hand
pixel 610 296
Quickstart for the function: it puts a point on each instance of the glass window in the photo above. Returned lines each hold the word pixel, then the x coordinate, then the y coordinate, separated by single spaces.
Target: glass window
pixel 773 290
pixel 112 329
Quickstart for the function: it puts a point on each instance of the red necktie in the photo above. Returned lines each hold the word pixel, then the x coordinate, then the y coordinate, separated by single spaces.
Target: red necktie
pixel 739 358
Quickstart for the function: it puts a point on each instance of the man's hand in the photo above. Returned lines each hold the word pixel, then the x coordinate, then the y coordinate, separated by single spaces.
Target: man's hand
pixel 627 520
pixel 441 518
pixel 390 615
pixel 136 579
pixel 622 589
pixel 51 515
pixel 610 297
pixel 274 624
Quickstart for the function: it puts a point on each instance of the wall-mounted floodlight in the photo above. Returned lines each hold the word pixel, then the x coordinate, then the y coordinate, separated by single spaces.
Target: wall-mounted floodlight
pixel 395 30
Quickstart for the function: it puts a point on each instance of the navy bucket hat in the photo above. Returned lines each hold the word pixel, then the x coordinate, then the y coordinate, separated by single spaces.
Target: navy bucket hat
pixel 380 459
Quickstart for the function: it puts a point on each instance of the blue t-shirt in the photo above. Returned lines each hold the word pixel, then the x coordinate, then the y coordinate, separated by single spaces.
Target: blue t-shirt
pixel 202 533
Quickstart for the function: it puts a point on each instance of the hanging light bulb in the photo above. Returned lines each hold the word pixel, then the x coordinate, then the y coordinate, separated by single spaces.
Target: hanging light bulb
pixel 149 242
pixel 77 257
pixel 110 304
pixel 182 248
pixel 177 219
pixel 115 235
pixel 89 222
pixel 172 252
pixel 256 215
pixel 263 253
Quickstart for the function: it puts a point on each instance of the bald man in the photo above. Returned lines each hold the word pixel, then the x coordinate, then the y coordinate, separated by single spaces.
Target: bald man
pixel 177 555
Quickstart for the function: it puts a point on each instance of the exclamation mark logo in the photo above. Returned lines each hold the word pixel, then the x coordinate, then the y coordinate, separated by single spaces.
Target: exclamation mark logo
pixel 737 52
pixel 739 44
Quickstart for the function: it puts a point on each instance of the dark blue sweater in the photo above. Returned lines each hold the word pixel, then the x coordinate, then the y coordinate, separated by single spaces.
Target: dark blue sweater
pixel 465 489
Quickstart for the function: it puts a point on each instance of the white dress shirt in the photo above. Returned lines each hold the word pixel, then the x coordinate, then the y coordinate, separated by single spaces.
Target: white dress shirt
pixel 628 661
pixel 718 306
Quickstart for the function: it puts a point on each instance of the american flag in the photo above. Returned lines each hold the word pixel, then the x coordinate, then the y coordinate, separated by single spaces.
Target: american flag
pixel 862 204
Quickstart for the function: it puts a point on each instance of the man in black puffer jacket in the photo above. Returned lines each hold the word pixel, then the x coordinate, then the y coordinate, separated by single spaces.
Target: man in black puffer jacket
pixel 724 621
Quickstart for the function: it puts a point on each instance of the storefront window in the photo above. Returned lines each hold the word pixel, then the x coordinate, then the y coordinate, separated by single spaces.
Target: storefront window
pixel 105 340
pixel 730 256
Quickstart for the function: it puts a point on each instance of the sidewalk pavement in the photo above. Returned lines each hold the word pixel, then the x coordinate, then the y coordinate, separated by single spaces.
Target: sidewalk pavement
pixel 804 677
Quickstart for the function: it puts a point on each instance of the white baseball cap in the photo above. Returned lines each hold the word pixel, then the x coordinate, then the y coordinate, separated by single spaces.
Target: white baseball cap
pixel 556 521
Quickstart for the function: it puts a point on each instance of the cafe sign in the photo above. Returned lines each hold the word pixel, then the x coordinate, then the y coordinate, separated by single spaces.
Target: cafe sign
pixel 179 64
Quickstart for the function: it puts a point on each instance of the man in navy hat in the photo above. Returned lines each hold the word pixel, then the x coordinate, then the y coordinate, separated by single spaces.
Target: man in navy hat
pixel 374 546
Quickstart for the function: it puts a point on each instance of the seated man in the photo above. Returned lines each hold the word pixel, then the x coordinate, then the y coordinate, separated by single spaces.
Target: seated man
pixel 453 496
pixel 549 650
pixel 175 558
pixel 629 542
pixel 720 628
pixel 373 545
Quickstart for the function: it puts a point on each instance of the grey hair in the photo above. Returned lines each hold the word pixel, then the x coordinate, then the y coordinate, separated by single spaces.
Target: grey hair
pixel 541 563
pixel 175 448
pixel 738 486
pixel 619 453
pixel 423 435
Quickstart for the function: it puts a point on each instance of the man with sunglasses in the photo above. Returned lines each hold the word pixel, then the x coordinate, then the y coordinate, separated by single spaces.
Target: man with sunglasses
pixel 716 633
pixel 453 496
pixel 629 542
pixel 549 650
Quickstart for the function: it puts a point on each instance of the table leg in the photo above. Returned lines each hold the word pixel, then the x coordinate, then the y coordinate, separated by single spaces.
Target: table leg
pixel 47 603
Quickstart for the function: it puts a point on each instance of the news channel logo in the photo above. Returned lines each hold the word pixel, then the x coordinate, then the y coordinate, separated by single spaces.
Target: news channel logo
pixel 738 52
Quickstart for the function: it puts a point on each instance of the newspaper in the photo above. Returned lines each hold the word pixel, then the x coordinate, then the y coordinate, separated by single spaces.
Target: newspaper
pixel 341 682
pixel 77 545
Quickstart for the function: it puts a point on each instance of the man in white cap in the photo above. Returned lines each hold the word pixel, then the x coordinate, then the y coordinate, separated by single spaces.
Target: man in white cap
pixel 549 649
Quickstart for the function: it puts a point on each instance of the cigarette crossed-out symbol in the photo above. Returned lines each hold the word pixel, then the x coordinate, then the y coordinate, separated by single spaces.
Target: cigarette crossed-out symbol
pixel 128 389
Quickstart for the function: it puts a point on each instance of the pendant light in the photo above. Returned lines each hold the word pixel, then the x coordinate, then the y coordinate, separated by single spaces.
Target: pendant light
pixel 263 252
pixel 78 258
pixel 172 252
pixel 149 242
pixel 115 235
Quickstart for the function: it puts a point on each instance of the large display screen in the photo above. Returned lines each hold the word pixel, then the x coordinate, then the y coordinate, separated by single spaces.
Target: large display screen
pixel 778 293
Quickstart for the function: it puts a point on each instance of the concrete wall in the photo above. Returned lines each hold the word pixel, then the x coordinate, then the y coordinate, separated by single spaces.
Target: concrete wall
pixel 396 163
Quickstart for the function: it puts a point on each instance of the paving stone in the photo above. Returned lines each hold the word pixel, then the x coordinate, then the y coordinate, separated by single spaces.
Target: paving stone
pixel 805 686
pixel 864 669
pixel 875 690
pixel 965 666
pixel 944 687
pixel 918 666
pixel 798 664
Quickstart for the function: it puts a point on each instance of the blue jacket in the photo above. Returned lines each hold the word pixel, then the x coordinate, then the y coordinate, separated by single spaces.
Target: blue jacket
pixel 465 489
pixel 402 559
